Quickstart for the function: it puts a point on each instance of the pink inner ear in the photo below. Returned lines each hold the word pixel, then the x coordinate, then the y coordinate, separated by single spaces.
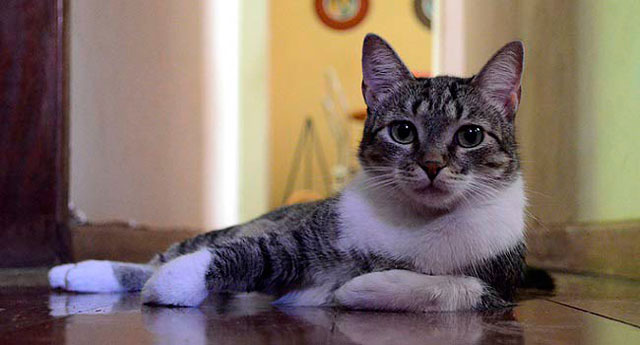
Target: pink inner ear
pixel 499 80
pixel 515 100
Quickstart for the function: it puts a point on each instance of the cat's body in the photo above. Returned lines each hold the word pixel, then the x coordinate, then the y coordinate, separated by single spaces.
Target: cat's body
pixel 414 231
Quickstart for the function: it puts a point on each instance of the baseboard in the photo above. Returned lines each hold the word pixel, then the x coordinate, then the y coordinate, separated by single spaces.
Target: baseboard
pixel 123 242
pixel 595 248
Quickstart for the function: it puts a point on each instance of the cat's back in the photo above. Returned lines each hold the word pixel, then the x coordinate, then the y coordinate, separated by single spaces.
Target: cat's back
pixel 288 218
pixel 284 219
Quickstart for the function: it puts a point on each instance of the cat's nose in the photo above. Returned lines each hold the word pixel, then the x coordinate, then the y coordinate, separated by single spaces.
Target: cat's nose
pixel 432 168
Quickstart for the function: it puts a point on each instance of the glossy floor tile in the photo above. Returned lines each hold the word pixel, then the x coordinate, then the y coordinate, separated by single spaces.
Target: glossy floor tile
pixel 35 315
pixel 612 298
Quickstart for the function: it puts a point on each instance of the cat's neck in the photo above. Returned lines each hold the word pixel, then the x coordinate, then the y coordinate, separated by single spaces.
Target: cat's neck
pixel 437 243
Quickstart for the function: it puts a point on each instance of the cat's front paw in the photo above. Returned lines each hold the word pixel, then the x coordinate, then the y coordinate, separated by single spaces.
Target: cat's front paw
pixel 455 293
pixel 400 290
pixel 372 291
pixel 179 282
pixel 58 275
pixel 85 276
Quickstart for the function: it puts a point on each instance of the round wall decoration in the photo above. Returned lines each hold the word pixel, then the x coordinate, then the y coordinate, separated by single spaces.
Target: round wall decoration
pixel 341 14
pixel 424 11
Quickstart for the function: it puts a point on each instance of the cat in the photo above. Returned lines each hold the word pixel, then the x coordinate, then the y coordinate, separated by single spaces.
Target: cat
pixel 433 222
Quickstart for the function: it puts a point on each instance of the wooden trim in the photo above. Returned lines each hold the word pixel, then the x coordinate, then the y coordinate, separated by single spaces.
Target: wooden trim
pixel 63 251
pixel 123 242
pixel 596 248
pixel 33 134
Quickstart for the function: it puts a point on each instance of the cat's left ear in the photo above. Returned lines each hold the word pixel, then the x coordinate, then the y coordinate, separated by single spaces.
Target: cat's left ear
pixel 500 79
pixel 382 69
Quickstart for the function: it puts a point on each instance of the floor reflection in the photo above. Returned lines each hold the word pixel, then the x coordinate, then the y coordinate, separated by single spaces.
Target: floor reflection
pixel 176 325
pixel 64 304
pixel 410 328
pixel 251 319
pixel 583 311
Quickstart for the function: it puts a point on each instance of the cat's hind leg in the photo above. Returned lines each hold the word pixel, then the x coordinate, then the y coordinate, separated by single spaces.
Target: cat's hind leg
pixel 100 276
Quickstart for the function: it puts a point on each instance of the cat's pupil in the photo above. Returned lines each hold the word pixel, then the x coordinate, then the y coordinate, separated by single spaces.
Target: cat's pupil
pixel 470 135
pixel 404 131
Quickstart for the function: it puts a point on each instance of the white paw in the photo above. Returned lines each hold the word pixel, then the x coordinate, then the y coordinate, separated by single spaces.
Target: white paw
pixel 91 276
pixel 371 291
pixel 401 290
pixel 179 282
pixel 58 274
pixel 455 293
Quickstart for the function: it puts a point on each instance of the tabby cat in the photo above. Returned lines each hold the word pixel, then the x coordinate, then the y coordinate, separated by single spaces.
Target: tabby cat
pixel 434 222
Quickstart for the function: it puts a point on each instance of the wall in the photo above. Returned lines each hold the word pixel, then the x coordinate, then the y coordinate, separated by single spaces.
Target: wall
pixel 580 109
pixel 154 111
pixel 301 50
pixel 254 108
pixel 609 86
pixel 552 139
pixel 580 100
pixel 136 111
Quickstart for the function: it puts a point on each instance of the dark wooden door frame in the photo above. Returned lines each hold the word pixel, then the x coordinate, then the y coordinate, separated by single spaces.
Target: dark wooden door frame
pixel 33 133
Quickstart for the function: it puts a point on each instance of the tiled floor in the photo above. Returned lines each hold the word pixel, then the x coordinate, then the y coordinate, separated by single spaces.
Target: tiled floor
pixel 584 310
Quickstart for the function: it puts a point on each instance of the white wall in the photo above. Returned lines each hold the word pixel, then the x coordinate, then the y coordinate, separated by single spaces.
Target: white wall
pixel 254 109
pixel 153 138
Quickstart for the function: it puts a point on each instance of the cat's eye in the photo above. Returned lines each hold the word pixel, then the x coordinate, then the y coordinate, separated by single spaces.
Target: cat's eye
pixel 402 132
pixel 469 136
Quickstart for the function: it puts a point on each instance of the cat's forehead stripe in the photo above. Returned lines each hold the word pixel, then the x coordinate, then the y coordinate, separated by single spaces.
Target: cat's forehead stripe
pixel 420 107
pixel 458 108
pixel 453 110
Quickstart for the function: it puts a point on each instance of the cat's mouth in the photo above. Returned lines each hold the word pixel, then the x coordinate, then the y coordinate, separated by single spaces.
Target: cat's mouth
pixel 437 196
pixel 430 189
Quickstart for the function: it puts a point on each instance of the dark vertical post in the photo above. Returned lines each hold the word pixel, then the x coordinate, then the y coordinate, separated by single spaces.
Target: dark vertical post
pixel 33 133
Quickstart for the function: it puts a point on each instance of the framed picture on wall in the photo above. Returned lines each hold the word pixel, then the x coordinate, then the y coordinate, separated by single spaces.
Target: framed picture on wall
pixel 341 14
pixel 424 11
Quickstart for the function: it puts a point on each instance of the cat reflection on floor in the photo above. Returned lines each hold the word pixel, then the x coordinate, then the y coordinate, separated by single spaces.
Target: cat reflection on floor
pixel 252 319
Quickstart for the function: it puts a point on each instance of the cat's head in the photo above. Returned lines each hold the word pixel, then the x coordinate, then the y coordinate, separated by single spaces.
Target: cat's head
pixel 444 140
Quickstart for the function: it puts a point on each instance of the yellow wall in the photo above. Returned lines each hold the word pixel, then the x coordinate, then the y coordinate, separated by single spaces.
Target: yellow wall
pixel 302 48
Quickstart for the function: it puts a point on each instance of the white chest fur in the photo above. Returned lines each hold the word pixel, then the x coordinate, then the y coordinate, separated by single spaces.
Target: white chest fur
pixel 467 235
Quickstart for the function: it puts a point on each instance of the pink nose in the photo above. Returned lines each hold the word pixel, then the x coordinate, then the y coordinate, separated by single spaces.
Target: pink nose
pixel 432 169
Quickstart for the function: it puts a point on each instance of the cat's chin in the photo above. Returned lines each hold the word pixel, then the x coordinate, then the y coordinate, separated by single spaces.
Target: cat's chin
pixel 430 191
pixel 433 197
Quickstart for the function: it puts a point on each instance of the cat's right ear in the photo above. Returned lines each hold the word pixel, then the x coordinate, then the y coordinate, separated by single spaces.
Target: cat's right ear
pixel 500 80
pixel 382 69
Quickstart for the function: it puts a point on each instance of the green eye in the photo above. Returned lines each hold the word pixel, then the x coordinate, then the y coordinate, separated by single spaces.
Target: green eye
pixel 402 132
pixel 469 136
